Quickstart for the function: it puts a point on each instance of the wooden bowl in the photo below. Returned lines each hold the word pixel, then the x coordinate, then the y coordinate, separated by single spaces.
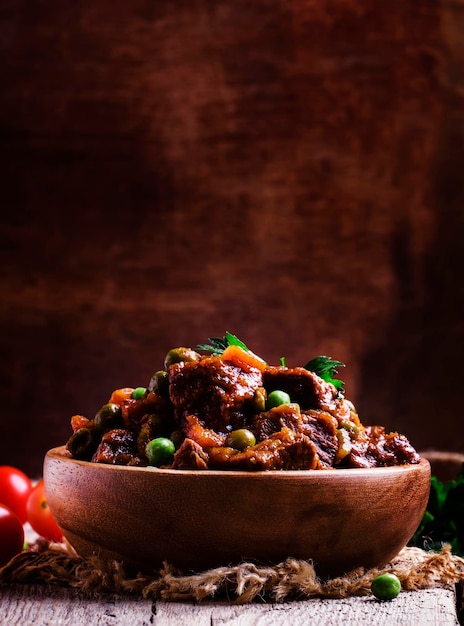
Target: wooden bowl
pixel 341 519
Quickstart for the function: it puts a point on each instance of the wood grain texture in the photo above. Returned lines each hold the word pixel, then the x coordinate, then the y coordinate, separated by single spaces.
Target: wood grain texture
pixel 286 171
pixel 43 606
pixel 205 518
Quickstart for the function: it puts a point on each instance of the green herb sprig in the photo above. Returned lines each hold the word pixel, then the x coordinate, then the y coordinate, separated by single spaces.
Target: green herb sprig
pixel 326 368
pixel 217 345
pixel 443 520
pixel 323 366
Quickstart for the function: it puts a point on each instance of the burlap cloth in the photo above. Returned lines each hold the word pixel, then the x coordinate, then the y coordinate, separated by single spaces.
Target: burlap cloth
pixel 57 564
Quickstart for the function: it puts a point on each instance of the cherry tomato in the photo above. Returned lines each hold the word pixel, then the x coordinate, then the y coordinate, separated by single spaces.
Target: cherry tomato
pixel 39 515
pixel 15 488
pixel 11 535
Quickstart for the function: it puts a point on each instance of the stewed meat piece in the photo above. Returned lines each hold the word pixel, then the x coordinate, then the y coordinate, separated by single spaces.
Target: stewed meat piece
pixel 117 447
pixel 218 392
pixel 232 411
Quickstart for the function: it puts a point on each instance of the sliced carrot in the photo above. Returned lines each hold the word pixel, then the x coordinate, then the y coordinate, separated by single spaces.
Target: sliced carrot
pixel 205 437
pixel 242 358
pixel 119 395
pixel 79 421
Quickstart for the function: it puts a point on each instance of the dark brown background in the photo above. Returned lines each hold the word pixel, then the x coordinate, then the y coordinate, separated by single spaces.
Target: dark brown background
pixel 288 171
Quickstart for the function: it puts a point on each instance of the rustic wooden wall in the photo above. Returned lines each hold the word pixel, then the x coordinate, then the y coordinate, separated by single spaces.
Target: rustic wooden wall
pixel 288 171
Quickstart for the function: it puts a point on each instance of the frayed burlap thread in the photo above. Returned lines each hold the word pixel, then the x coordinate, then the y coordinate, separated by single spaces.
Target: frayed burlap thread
pixel 57 564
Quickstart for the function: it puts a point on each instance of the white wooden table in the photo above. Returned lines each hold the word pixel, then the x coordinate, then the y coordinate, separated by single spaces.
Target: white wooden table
pixel 25 605
pixel 41 605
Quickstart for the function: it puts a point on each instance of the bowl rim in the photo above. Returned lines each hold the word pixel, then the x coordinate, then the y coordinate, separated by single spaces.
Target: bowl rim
pixel 60 453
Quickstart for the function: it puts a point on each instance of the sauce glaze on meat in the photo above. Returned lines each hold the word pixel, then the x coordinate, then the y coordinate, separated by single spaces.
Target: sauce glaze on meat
pixel 198 402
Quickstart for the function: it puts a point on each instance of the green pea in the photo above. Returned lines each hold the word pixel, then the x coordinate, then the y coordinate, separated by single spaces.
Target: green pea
pixel 177 355
pixel 82 444
pixel 344 445
pixel 259 399
pixel 240 439
pixel 386 586
pixel 160 451
pixel 138 393
pixel 109 416
pixel 159 383
pixel 177 437
pixel 276 398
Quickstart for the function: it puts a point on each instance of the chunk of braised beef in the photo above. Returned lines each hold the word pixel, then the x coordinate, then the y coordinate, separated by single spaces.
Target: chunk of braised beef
pixel 402 449
pixel 218 392
pixel 284 450
pixel 306 389
pixel 151 427
pixel 265 424
pixel 379 449
pixel 319 426
pixel 117 447
pixel 190 455
pixel 134 411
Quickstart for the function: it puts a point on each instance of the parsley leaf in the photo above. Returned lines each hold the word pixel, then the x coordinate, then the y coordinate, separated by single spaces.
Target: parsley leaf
pixel 443 520
pixel 323 366
pixel 217 345
pixel 326 368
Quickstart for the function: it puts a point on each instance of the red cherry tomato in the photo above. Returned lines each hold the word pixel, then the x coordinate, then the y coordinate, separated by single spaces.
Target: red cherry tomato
pixel 39 515
pixel 15 489
pixel 11 535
